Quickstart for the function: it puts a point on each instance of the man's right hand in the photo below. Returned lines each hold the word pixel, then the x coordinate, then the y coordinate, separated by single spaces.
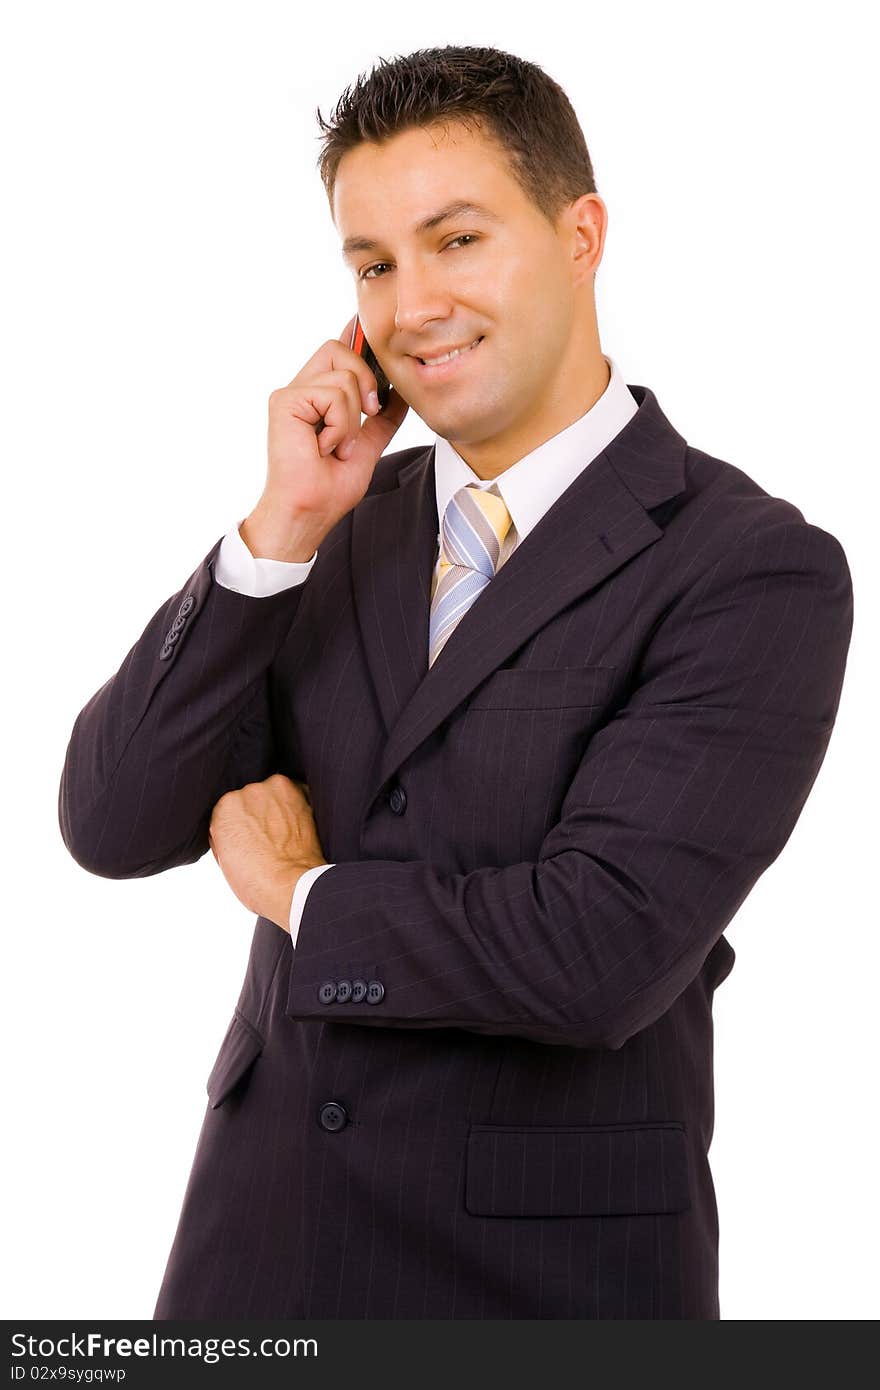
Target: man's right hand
pixel 314 478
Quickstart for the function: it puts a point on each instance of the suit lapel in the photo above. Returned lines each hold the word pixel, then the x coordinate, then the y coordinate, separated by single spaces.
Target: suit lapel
pixel 598 523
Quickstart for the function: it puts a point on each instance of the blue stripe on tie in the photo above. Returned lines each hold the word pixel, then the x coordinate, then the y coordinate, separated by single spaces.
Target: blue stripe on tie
pixel 468 546
pixel 459 599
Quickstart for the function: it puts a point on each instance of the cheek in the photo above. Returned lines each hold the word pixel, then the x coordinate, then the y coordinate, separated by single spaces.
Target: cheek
pixel 530 311
pixel 500 286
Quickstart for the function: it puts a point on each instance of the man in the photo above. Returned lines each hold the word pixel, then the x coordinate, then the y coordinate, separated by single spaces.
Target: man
pixel 495 736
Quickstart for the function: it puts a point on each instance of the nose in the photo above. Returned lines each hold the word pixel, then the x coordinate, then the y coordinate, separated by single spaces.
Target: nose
pixel 420 299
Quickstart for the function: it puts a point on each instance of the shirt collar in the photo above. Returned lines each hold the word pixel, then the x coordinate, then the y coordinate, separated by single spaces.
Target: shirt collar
pixel 530 486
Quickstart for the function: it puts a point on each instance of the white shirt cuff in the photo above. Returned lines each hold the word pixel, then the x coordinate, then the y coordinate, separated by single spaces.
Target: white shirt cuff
pixel 300 893
pixel 236 568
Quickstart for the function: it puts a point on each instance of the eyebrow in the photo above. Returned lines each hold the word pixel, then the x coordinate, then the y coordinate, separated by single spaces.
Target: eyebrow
pixel 427 224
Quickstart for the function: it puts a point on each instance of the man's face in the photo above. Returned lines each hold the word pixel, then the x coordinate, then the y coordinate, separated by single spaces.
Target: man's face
pixel 506 276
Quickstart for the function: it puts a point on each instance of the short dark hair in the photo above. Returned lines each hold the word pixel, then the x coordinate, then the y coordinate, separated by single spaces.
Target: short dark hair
pixel 508 99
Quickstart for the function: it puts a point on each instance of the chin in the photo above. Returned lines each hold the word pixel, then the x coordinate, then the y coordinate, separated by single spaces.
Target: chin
pixel 467 426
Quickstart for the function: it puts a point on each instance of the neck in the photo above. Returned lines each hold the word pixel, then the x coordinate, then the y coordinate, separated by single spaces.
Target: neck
pixel 582 379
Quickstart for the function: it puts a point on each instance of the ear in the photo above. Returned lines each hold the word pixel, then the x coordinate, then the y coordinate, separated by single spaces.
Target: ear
pixel 587 223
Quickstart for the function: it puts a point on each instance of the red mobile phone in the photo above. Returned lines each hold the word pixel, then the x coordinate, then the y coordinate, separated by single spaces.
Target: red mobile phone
pixel 360 345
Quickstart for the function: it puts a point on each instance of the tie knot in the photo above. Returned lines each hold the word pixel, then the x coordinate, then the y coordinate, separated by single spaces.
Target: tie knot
pixel 474 526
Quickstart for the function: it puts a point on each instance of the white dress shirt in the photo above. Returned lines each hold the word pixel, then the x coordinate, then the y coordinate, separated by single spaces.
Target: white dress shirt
pixel 528 488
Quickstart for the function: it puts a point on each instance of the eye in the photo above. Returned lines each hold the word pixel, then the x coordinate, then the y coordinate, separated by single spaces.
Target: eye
pixel 366 274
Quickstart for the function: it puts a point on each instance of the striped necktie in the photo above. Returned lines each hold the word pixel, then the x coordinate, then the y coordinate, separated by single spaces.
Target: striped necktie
pixel 475 524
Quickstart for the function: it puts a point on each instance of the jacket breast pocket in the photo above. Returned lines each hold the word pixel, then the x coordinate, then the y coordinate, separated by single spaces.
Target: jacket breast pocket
pixel 510 752
pixel 239 1050
pixel 553 687
pixel 577 1170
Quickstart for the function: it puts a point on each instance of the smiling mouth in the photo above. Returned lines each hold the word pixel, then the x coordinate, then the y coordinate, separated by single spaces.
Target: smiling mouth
pixel 449 356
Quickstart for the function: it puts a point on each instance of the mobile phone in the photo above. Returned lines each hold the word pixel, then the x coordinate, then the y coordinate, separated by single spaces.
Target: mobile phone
pixel 360 345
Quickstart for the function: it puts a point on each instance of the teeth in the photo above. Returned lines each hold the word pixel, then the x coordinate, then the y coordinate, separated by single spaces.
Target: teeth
pixel 456 352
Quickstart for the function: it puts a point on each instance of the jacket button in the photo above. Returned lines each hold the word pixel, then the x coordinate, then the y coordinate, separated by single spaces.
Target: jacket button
pixel 343 991
pixel 397 799
pixel 375 992
pixel 332 1116
pixel 358 991
pixel 327 992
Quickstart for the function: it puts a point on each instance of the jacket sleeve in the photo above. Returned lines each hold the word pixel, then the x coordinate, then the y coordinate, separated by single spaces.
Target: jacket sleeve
pixel 185 719
pixel 681 801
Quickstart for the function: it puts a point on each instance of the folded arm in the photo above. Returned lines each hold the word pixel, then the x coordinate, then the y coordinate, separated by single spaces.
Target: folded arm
pixel 679 804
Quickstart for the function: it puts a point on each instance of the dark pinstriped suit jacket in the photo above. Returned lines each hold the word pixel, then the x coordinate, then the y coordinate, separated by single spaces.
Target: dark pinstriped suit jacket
pixel 481 1084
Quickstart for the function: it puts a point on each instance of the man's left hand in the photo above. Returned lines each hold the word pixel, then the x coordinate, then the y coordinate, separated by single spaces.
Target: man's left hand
pixel 263 836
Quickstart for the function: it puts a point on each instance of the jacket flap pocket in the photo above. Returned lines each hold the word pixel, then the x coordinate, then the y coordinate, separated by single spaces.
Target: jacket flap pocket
pixel 552 687
pixel 576 1170
pixel 239 1049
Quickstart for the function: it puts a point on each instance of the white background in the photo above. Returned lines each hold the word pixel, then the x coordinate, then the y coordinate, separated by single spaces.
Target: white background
pixel 169 260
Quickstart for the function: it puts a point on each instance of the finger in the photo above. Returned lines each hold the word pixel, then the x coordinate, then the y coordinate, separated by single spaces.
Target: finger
pixel 337 426
pixel 348 382
pixel 326 408
pixel 376 432
pixel 345 358
pixel 379 429
pixel 334 353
